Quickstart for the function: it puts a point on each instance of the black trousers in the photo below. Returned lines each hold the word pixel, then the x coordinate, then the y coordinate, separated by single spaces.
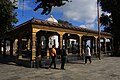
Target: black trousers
pixel 87 57
pixel 53 62
pixel 63 60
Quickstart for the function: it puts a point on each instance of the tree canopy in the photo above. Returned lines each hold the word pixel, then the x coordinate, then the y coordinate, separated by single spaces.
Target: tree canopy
pixel 112 7
pixel 7 16
pixel 47 5
pixel 64 22
pixel 107 22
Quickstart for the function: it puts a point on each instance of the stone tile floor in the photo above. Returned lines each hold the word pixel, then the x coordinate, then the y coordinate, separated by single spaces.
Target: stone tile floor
pixel 108 68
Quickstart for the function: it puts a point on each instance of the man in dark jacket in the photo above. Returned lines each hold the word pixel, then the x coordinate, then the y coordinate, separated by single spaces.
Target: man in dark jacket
pixel 63 57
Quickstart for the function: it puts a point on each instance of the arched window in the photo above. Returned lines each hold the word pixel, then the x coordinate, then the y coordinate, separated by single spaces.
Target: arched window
pixel 43 42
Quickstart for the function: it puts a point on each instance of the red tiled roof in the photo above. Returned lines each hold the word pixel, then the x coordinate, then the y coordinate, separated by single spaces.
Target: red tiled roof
pixel 53 24
pixel 48 23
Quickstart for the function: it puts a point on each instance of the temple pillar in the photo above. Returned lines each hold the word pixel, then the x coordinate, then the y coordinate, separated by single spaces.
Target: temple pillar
pixel 28 45
pixel 47 46
pixel 20 47
pixel 15 46
pixel 92 48
pixel 11 47
pixel 83 46
pixel 0 46
pixel 33 49
pixel 80 46
pixel 105 47
pixel 61 40
pixel 33 46
pixel 4 48
pixel 112 47
pixel 96 47
pixel 66 42
pixel 82 49
pixel 111 41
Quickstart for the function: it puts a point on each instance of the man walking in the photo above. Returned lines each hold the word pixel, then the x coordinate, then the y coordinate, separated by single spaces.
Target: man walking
pixel 53 56
pixel 63 57
pixel 87 54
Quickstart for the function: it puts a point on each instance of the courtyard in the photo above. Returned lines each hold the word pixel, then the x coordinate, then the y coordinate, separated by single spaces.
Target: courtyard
pixel 108 68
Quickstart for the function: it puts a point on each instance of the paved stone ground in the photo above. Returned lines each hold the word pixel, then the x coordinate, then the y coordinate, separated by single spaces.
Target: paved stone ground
pixel 108 68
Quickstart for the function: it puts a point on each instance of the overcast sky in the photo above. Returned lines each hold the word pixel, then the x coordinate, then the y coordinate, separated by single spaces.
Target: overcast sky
pixel 79 12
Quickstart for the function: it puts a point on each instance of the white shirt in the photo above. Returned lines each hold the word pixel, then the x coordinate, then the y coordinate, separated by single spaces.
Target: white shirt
pixel 87 52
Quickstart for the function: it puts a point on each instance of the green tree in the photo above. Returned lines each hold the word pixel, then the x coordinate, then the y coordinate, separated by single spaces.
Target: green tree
pixel 47 5
pixel 106 21
pixel 7 16
pixel 64 22
pixel 113 7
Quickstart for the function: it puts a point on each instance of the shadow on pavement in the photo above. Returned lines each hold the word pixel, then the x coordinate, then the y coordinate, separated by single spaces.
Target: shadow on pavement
pixel 11 60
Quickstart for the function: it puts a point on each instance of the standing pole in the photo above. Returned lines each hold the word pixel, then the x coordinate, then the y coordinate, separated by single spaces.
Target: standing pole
pixel 99 49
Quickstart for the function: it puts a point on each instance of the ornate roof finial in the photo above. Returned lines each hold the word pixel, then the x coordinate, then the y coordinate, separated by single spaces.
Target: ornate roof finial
pixel 51 18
